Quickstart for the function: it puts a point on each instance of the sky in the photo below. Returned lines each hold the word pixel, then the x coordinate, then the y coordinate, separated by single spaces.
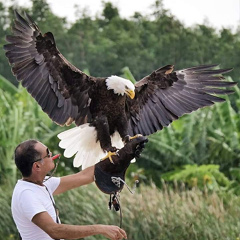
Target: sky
pixel 218 13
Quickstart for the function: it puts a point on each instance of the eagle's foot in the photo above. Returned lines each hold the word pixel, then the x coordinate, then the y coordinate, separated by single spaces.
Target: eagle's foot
pixel 109 155
pixel 129 138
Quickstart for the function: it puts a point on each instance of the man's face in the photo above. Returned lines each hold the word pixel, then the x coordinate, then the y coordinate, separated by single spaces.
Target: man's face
pixel 46 161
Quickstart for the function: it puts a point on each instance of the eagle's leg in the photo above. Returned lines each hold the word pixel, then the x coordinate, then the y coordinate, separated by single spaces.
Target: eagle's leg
pixel 103 136
pixel 123 129
pixel 127 138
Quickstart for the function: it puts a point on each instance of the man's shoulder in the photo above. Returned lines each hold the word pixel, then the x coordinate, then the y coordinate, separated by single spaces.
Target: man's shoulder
pixel 20 186
pixel 51 180
pixel 52 183
pixel 23 187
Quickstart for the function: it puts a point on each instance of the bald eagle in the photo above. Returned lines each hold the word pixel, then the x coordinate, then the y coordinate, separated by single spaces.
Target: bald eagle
pixel 106 110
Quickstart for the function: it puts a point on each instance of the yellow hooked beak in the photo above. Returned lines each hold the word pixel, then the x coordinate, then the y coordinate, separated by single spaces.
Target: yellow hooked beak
pixel 130 93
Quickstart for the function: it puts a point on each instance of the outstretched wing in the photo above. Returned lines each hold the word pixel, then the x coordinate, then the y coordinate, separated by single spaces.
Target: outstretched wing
pixel 59 88
pixel 164 96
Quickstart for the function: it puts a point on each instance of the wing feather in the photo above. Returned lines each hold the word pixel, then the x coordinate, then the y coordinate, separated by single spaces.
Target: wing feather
pixel 164 96
pixel 42 94
pixel 59 87
pixel 142 128
pixel 149 120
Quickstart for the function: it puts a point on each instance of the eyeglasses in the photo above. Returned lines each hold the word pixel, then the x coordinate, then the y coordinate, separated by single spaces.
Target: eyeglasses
pixel 49 154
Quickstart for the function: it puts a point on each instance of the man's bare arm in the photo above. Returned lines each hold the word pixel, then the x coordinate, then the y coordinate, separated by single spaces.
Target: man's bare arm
pixel 75 180
pixel 58 231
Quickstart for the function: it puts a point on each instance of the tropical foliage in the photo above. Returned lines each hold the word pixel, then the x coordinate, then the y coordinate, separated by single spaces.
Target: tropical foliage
pixel 200 176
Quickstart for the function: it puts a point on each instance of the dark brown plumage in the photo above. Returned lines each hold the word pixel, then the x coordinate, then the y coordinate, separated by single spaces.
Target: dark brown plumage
pixel 69 95
pixel 162 98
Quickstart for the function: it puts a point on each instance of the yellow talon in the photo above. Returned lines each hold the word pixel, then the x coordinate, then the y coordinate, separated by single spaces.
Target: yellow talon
pixel 136 136
pixel 109 155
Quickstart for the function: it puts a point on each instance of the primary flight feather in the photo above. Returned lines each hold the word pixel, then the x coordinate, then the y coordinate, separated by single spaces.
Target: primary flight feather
pixel 106 110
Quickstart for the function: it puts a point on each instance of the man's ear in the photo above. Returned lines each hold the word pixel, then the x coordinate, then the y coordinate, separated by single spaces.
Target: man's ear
pixel 36 166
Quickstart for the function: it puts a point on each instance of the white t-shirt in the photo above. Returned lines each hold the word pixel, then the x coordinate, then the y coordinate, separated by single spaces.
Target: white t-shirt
pixel 28 200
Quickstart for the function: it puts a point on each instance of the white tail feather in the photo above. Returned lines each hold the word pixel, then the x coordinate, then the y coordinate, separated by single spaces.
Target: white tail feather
pixel 66 142
pixel 82 140
pixel 69 132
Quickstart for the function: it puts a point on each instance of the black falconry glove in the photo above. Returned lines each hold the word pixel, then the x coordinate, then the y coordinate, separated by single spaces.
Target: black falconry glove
pixel 110 177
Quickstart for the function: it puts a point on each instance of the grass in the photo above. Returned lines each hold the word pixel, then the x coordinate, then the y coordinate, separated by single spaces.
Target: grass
pixel 157 214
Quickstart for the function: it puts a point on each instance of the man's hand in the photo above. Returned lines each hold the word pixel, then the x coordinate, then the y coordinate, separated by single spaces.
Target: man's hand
pixel 113 232
pixel 105 170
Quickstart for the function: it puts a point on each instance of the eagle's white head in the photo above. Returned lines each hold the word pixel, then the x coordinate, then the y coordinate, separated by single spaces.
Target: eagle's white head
pixel 120 86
